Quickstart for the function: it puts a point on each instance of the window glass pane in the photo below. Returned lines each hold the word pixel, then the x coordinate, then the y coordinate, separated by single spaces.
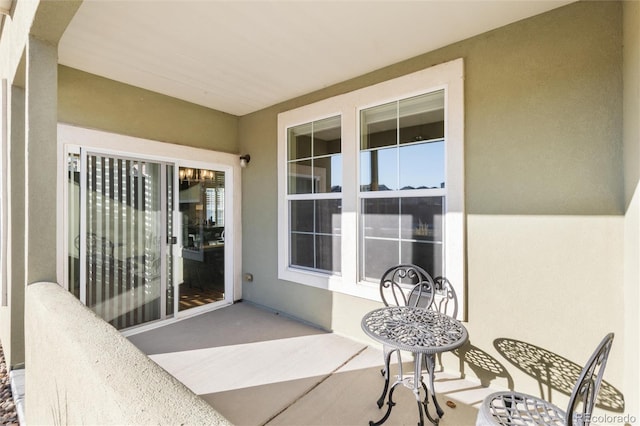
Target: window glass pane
pixel 328 253
pixel 426 255
pixel 328 220
pixel 314 157
pixel 316 228
pixel 336 173
pixel 378 126
pixel 380 217
pixel 416 125
pixel 327 172
pixel 302 252
pixel 422 118
pixel 402 230
pixel 299 142
pixel 301 180
pixel 422 165
pixel 315 167
pixel 301 215
pixel 379 170
pixel 327 138
pixel 378 256
pixel 421 218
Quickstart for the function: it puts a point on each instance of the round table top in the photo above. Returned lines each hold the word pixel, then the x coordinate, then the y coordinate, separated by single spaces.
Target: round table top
pixel 414 329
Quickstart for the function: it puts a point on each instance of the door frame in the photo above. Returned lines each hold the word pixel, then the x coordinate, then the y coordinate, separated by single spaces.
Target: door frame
pixel 98 141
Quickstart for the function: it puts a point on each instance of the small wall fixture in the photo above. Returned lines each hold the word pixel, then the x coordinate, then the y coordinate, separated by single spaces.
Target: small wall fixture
pixel 244 160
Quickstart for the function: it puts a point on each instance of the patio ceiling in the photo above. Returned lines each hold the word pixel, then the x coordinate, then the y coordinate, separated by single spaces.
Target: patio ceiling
pixel 241 56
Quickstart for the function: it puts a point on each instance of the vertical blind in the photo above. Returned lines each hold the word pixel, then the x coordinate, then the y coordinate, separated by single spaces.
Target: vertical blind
pixel 122 248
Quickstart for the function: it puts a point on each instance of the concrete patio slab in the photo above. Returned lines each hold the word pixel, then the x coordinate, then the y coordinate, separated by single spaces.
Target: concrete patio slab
pixel 349 396
pixel 259 368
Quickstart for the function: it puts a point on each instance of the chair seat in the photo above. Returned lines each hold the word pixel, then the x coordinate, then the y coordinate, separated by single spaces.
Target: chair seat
pixel 518 409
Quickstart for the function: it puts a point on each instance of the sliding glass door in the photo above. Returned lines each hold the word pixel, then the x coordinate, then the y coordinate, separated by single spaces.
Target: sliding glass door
pixel 119 261
pixel 200 258
pixel 149 227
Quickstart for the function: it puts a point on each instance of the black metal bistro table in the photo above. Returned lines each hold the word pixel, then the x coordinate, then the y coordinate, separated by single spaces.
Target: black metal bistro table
pixel 423 332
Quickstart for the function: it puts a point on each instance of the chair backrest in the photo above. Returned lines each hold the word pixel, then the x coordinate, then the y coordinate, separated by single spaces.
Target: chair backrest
pixel 407 285
pixel 586 390
pixel 445 300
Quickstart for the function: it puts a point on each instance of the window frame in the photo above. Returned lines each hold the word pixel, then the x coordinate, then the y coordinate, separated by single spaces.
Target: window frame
pixel 448 76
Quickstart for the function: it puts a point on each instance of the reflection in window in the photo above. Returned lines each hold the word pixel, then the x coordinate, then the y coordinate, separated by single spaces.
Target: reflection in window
pixel 402 184
pixel 402 144
pixel 314 157
pixel 314 177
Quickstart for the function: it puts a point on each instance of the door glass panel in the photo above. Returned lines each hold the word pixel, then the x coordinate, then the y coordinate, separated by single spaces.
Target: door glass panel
pixel 73 222
pixel 122 243
pixel 200 267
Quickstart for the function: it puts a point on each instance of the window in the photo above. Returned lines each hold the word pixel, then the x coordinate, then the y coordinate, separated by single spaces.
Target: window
pixel 314 186
pixel 399 196
pixel 402 185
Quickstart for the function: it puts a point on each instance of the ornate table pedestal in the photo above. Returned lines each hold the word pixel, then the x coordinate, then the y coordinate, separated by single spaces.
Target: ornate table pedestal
pixel 422 332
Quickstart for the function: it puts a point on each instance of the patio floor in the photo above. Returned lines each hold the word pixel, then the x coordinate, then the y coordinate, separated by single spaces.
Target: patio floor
pixel 259 368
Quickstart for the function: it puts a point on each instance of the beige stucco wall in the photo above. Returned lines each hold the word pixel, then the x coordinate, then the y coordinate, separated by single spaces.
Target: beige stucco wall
pixel 28 63
pixel 87 100
pixel 552 233
pixel 87 373
pixel 544 190
pixel 14 35
pixel 631 133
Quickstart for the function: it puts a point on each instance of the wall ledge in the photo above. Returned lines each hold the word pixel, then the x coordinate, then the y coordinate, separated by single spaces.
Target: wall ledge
pixel 81 370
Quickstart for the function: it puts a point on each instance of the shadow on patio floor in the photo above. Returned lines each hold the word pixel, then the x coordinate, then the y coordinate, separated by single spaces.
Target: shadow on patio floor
pixel 257 368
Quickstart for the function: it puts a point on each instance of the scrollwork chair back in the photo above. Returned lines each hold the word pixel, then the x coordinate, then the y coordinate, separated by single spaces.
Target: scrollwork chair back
pixel 445 300
pixel 584 394
pixel 508 408
pixel 407 285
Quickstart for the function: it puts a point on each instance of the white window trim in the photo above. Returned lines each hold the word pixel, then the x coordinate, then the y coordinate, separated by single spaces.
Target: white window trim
pixel 448 76
pixel 111 143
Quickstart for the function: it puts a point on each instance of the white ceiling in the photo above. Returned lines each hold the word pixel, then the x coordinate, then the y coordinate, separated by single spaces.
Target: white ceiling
pixel 242 56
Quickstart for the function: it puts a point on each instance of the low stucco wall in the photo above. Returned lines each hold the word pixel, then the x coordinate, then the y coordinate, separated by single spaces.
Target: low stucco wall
pixel 80 370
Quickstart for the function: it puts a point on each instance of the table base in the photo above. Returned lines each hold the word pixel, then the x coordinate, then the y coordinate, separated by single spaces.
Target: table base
pixel 415 383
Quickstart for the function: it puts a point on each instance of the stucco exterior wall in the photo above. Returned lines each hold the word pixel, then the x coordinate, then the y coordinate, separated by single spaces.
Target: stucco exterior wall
pixel 87 100
pixel 80 370
pixel 631 134
pixel 15 33
pixel 544 190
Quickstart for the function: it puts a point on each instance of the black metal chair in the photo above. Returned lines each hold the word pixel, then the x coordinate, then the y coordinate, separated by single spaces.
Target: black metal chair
pixel 403 285
pixel 515 409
